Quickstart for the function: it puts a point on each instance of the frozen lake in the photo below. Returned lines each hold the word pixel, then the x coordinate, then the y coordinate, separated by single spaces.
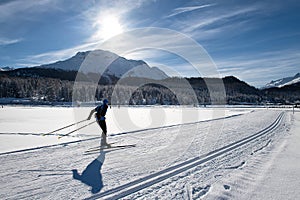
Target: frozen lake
pixel 22 127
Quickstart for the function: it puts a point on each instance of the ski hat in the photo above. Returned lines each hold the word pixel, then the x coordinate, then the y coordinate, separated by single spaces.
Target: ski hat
pixel 105 101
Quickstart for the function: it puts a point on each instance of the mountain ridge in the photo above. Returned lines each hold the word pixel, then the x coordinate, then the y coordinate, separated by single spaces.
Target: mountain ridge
pixel 279 83
pixel 107 64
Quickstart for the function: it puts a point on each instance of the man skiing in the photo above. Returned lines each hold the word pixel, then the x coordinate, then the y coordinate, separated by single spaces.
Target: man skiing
pixel 100 117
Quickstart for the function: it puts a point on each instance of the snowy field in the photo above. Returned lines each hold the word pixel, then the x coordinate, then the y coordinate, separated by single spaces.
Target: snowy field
pixel 180 153
pixel 23 127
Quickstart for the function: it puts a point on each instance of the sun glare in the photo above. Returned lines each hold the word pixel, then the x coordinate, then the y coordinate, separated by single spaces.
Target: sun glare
pixel 109 27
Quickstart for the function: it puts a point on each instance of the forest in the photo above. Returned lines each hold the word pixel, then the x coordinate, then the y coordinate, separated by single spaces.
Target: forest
pixel 49 86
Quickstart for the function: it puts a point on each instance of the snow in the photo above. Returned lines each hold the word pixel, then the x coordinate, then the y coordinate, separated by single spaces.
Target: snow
pixel 210 153
pixel 283 82
pixel 3 69
pixel 107 63
pixel 296 80
pixel 74 63
pixel 147 72
pixel 271 173
pixel 281 181
pixel 22 127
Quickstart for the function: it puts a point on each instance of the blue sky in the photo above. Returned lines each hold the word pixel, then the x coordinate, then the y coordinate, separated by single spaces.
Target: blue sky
pixel 256 41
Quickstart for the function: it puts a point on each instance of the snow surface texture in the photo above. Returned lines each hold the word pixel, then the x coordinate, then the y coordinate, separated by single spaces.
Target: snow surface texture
pixel 224 158
pixel 22 127
pixel 271 172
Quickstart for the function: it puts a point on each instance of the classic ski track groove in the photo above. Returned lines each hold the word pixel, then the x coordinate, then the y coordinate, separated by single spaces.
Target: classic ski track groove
pixel 147 181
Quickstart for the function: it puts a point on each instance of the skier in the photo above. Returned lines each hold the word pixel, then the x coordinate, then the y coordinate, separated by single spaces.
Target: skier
pixel 100 117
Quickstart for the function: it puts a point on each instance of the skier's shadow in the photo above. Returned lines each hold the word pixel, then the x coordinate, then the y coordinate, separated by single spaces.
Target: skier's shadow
pixel 91 175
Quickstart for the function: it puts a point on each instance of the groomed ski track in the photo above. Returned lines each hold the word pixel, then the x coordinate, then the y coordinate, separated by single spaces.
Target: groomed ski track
pixel 152 179
pixel 45 172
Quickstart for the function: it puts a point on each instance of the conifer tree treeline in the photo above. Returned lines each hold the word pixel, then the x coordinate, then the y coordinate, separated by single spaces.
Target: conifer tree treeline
pixel 41 89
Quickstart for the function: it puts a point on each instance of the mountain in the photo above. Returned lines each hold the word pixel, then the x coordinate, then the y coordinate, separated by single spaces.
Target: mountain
pixel 145 71
pixel 239 92
pixel 288 94
pixel 108 64
pixel 283 82
pixel 4 69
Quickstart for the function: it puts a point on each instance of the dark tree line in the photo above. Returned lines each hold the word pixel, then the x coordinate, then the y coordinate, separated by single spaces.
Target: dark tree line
pixel 139 91
pixel 47 89
pixel 285 95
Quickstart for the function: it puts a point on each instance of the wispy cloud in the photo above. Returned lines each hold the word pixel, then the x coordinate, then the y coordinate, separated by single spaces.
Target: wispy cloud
pixel 262 68
pixel 54 56
pixel 25 9
pixel 5 41
pixel 172 64
pixel 214 20
pixel 172 42
pixel 181 10
pixel 204 23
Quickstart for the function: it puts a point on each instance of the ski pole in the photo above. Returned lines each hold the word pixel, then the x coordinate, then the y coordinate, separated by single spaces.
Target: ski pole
pixel 62 135
pixel 64 127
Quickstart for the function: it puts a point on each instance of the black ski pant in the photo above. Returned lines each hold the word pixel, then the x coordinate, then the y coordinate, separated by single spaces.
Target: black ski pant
pixel 102 125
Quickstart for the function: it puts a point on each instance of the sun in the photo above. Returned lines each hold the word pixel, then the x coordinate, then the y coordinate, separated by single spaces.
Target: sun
pixel 109 26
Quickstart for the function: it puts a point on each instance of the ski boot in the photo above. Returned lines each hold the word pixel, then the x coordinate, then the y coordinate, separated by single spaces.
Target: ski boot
pixel 104 142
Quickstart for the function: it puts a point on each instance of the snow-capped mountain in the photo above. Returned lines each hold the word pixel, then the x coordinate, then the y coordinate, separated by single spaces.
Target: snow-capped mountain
pixel 4 69
pixel 108 64
pixel 145 71
pixel 283 82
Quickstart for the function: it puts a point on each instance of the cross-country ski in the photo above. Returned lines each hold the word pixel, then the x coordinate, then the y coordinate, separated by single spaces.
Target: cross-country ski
pixel 110 147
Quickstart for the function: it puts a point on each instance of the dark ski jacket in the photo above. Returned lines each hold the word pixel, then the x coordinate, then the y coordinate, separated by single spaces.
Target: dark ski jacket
pixel 101 111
